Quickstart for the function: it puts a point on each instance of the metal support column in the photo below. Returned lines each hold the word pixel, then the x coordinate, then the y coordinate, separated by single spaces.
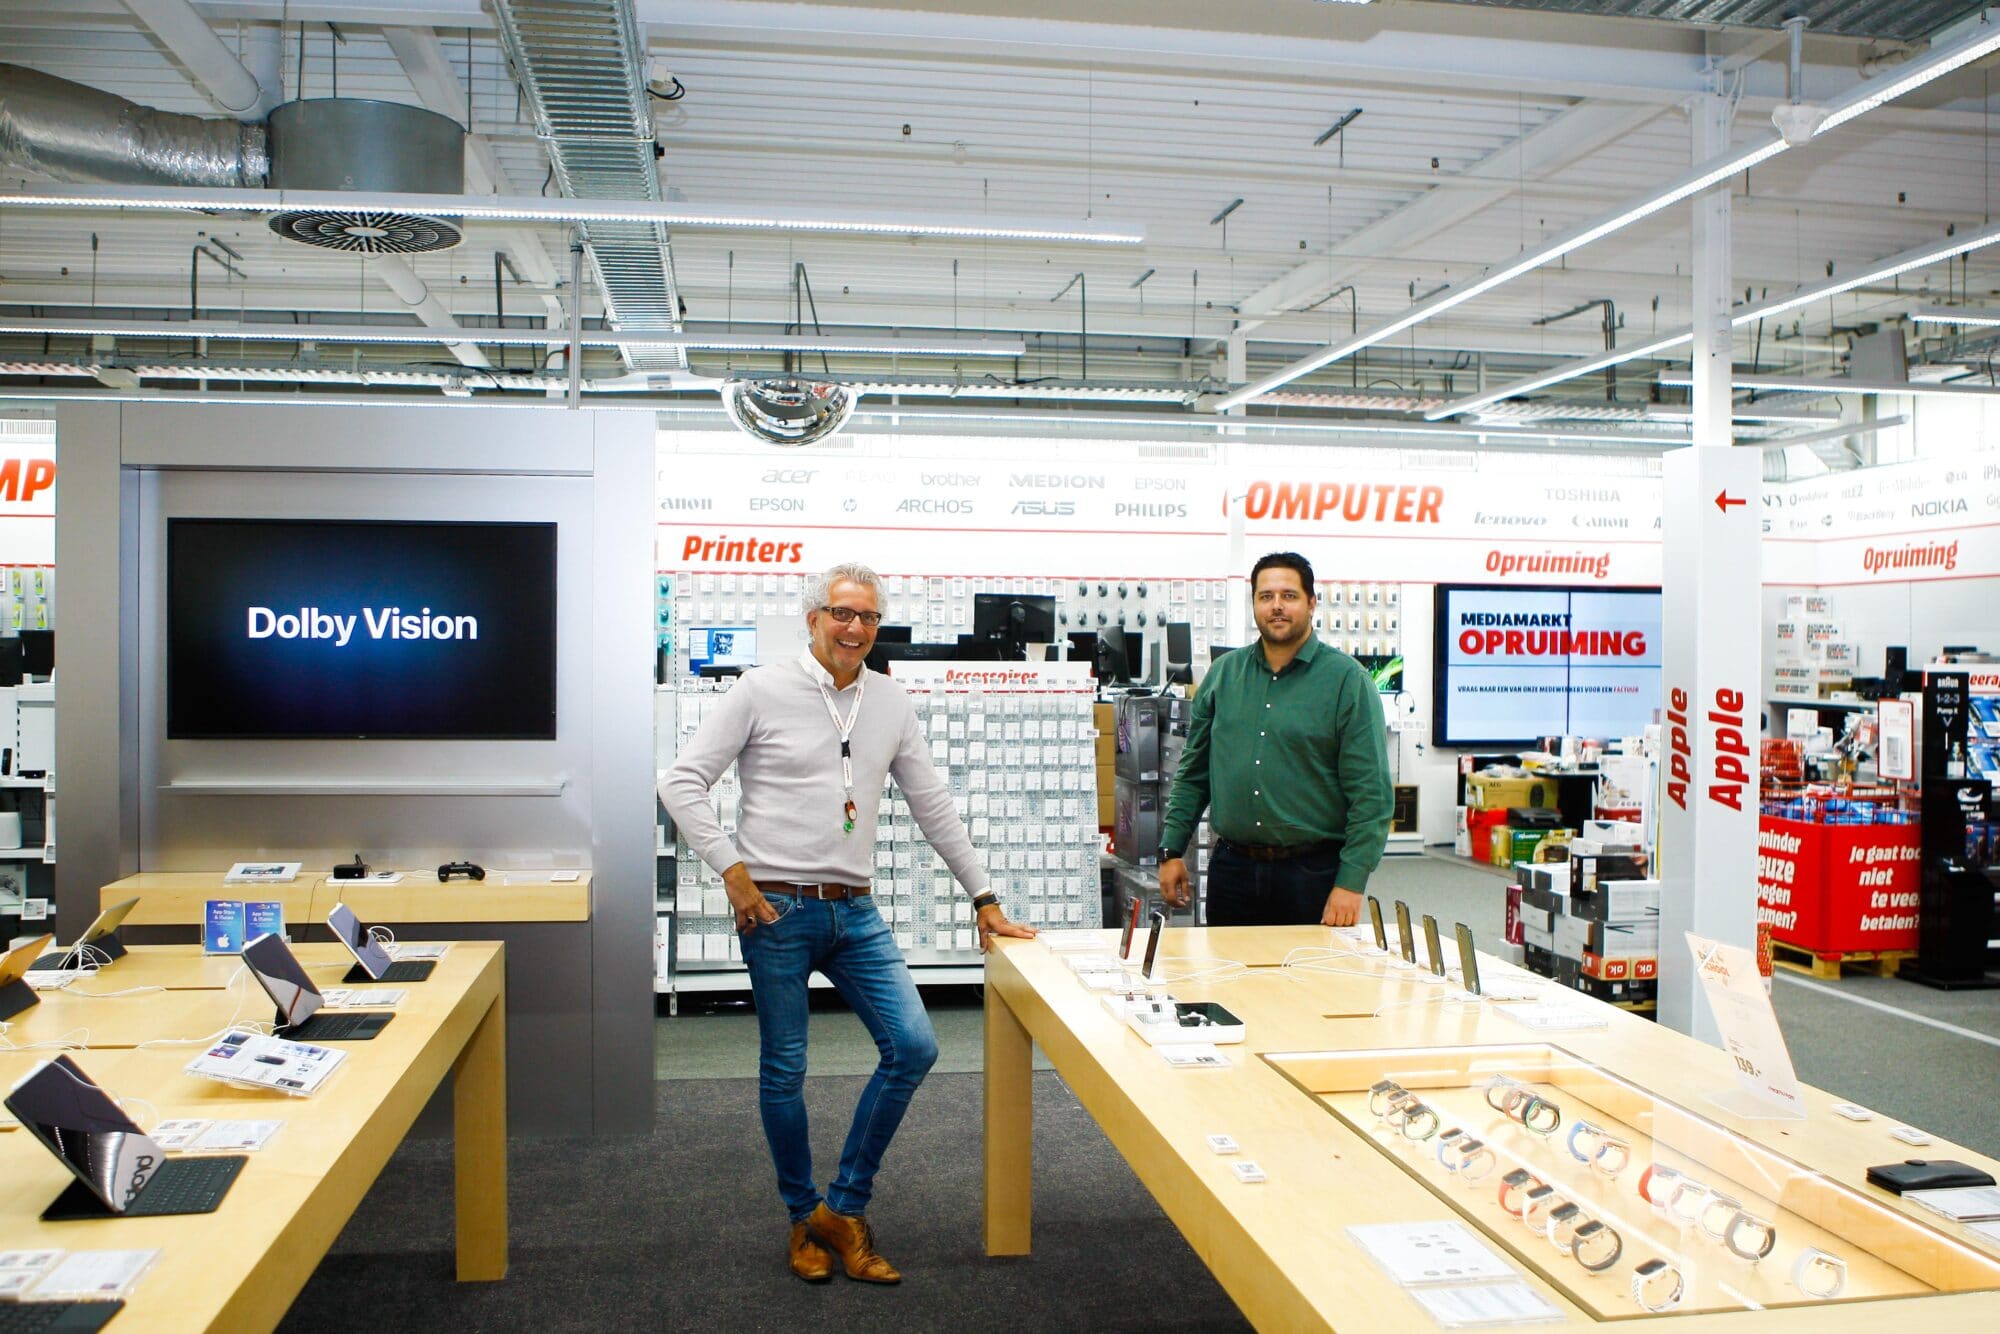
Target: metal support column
pixel 1711 548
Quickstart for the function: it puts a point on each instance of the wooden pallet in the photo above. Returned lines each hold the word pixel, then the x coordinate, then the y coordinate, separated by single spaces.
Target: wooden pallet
pixel 1828 967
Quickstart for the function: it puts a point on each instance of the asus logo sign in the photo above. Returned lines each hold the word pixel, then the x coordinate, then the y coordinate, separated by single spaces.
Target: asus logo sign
pixel 1048 509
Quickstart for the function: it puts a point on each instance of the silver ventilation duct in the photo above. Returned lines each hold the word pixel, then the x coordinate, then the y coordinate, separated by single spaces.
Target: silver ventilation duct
pixel 69 132
pixel 581 65
pixel 351 143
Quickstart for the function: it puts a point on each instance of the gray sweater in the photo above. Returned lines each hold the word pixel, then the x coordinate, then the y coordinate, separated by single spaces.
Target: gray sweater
pixel 774 724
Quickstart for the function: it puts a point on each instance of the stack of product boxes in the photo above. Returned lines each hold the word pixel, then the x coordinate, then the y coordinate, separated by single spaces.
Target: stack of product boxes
pixel 1593 923
pixel 1507 815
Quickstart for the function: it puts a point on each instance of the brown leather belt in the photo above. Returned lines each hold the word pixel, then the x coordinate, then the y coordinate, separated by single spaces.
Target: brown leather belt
pixel 1273 852
pixel 828 893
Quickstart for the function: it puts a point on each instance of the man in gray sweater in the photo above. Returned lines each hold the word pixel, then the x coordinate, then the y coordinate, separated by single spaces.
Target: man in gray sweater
pixel 813 741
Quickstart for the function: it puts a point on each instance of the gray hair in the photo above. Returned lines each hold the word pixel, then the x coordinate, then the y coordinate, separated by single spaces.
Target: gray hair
pixel 821 585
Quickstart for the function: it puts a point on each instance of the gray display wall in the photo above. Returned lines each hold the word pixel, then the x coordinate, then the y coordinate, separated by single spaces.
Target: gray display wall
pixel 579 995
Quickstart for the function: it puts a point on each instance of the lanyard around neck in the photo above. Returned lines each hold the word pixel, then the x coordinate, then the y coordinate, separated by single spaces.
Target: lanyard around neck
pixel 845 727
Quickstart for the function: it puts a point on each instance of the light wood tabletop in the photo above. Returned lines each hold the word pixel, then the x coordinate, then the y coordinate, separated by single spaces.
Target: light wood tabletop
pixel 179 898
pixel 240 1267
pixel 1324 1021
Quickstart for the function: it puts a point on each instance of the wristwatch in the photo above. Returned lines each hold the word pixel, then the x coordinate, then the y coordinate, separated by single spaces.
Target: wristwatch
pixel 986 898
pixel 1167 854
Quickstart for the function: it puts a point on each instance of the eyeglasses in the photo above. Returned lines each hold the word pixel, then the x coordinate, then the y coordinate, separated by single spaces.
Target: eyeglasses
pixel 848 616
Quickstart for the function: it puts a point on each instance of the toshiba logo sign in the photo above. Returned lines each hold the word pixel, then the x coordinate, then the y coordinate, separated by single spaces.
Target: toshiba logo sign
pixel 1353 502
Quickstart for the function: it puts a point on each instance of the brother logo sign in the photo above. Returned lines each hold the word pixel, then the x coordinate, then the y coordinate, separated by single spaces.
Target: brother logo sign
pixel 380 622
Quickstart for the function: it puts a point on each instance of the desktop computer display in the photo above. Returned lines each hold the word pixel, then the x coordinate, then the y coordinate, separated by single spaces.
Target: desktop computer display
pixel 721 646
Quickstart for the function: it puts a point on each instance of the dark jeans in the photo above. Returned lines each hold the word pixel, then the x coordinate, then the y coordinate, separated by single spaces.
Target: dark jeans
pixel 848 941
pixel 1242 892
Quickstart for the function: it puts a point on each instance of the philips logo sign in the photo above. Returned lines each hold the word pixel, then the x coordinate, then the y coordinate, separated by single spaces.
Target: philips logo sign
pixel 379 622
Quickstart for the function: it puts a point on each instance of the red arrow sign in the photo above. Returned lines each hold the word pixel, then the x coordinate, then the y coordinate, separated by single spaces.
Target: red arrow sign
pixel 1723 500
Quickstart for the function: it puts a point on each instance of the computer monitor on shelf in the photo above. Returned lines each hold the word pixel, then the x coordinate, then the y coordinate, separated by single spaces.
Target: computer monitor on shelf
pixel 886 635
pixel 1015 618
pixel 38 652
pixel 721 646
pixel 1180 653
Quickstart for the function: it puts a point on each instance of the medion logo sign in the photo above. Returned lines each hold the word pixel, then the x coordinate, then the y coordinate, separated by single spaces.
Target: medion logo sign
pixel 1058 481
pixel 380 623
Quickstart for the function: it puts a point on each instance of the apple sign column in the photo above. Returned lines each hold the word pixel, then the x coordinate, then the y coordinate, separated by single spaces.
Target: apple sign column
pixel 1712 611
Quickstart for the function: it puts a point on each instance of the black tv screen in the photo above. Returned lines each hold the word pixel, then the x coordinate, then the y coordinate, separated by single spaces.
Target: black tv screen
pixel 1514 664
pixel 288 628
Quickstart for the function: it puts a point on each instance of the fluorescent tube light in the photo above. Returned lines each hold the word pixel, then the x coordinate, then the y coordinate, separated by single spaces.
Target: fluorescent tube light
pixel 533 208
pixel 1968 315
pixel 551 337
pixel 1773 384
pixel 1209 422
pixel 1985 39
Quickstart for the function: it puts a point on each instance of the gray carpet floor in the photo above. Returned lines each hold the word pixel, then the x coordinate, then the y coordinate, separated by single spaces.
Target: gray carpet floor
pixel 682 1229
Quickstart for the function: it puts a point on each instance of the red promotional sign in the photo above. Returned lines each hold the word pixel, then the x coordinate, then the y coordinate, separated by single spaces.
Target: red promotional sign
pixel 1838 889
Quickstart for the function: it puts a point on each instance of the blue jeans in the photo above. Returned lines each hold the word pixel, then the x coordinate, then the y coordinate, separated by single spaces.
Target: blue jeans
pixel 1244 892
pixel 848 941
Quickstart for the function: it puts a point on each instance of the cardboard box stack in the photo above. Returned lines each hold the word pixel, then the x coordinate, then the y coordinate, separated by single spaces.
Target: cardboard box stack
pixel 1106 723
pixel 1592 923
pixel 1489 797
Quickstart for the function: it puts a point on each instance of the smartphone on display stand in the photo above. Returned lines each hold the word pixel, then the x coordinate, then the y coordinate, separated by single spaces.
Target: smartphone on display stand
pixel 1131 926
pixel 1153 944
pixel 1406 938
pixel 1433 952
pixel 1375 924
pixel 1468 959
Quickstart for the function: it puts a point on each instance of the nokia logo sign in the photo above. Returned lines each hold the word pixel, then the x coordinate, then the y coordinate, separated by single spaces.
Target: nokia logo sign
pixel 1053 481
pixel 789 476
pixel 1931 509
pixel 1045 509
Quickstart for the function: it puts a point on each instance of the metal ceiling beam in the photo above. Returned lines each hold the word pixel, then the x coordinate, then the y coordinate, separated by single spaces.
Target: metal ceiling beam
pixel 1547 148
pixel 435 81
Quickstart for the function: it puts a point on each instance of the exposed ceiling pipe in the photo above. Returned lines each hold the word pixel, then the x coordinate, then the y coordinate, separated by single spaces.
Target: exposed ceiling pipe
pixel 411 290
pixel 72 132
pixel 214 66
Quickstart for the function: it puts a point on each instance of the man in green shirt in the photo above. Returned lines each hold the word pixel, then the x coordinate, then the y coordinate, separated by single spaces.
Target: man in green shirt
pixel 1287 751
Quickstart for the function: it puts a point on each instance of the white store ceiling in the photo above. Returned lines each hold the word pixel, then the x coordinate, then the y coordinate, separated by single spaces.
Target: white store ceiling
pixel 1483 131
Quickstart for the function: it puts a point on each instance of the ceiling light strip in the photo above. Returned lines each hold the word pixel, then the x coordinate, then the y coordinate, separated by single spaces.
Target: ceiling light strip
pixel 1858 101
pixel 1967 315
pixel 1207 422
pixel 1779 384
pixel 369 333
pixel 537 209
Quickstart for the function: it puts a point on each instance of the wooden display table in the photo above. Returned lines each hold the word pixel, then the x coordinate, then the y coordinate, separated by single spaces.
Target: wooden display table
pixel 240 1267
pixel 178 898
pixel 1295 1099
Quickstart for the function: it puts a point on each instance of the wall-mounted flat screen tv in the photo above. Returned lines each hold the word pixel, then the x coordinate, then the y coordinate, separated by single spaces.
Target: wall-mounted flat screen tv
pixel 290 629
pixel 1513 664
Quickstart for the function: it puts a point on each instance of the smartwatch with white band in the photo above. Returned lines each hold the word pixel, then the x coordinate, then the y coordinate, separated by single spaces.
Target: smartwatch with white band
pixel 1749 1237
pixel 1561 1227
pixel 1612 1156
pixel 1718 1214
pixel 1475 1161
pixel 1658 1286
pixel 1818 1274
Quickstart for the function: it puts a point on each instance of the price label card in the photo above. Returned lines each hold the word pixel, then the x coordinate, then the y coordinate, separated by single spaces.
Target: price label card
pixel 1749 1027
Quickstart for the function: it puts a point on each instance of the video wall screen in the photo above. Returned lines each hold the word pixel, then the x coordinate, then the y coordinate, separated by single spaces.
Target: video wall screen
pixel 1514 664
pixel 288 629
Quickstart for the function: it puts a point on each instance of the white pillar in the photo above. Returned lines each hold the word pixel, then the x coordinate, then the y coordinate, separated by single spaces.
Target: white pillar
pixel 1713 634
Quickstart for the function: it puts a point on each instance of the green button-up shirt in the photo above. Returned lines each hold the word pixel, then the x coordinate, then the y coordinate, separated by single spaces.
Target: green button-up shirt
pixel 1297 756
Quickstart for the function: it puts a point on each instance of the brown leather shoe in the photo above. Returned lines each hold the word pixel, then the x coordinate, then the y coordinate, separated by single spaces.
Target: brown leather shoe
pixel 850 1238
pixel 810 1260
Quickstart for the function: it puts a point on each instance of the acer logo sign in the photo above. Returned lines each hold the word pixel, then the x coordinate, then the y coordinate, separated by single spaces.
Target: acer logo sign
pixel 23 485
pixel 789 476
pixel 1356 502
pixel 1045 509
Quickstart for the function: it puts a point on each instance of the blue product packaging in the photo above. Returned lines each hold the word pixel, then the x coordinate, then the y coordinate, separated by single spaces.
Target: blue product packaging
pixel 222 932
pixel 263 917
